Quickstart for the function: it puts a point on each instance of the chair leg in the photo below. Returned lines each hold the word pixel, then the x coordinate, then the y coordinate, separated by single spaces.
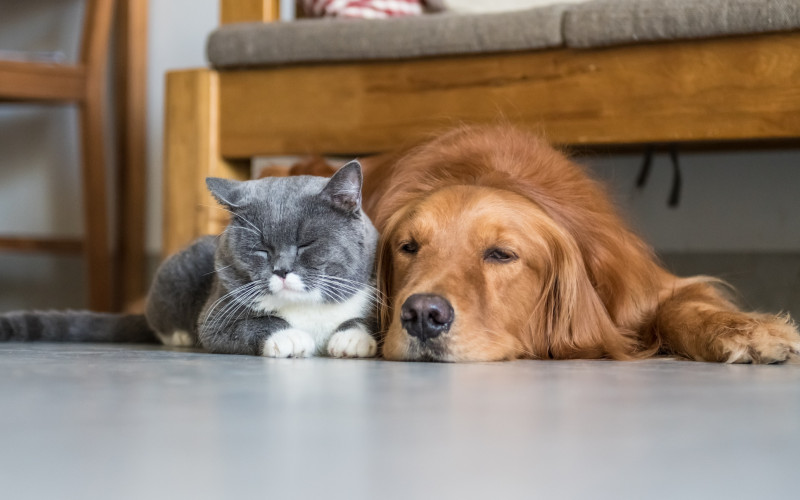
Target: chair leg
pixel 96 247
pixel 131 64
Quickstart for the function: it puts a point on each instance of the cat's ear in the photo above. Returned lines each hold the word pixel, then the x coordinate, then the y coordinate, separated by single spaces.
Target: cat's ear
pixel 226 191
pixel 344 188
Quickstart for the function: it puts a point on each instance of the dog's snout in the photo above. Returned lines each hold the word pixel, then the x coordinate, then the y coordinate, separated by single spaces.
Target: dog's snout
pixel 425 315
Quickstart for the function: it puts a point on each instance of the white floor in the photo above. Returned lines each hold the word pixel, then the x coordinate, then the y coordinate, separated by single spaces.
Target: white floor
pixel 124 422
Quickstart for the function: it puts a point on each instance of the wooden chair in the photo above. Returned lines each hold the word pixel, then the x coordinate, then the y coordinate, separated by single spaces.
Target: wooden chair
pixel 84 84
pixel 717 90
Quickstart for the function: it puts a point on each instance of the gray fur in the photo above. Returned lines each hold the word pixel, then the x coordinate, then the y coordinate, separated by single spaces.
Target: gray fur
pixel 181 287
pixel 74 326
pixel 311 226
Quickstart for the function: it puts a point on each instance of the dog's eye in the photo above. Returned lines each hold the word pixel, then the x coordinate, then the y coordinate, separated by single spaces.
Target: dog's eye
pixel 409 247
pixel 499 255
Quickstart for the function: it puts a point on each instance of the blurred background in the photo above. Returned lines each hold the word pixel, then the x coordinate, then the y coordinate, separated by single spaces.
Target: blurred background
pixel 738 216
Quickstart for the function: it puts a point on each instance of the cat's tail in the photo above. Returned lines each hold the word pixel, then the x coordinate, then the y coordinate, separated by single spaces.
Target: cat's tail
pixel 75 326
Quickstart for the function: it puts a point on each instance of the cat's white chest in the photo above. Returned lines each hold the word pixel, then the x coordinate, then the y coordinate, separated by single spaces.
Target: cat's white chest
pixel 318 320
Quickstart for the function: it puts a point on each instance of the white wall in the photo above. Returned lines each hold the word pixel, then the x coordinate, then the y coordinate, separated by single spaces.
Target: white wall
pixel 731 201
pixel 39 169
pixel 39 155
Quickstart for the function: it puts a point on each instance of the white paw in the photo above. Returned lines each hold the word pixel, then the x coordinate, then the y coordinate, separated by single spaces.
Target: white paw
pixel 352 343
pixel 290 343
pixel 178 338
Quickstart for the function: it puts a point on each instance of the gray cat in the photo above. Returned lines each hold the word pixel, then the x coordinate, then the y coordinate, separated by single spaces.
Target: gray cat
pixel 291 276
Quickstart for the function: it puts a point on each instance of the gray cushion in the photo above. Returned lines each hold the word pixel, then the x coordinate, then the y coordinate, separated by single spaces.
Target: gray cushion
pixel 611 22
pixel 259 44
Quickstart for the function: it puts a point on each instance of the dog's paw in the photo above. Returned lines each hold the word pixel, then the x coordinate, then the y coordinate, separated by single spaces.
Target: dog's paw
pixel 765 340
pixel 352 343
pixel 289 343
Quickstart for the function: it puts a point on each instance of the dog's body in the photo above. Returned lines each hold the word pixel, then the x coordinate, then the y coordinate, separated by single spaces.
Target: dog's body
pixel 495 246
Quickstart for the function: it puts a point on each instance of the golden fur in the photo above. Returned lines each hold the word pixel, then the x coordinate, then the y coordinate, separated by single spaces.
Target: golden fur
pixel 580 285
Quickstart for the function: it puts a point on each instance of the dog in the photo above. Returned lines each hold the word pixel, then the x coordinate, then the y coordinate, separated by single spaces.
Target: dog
pixel 495 246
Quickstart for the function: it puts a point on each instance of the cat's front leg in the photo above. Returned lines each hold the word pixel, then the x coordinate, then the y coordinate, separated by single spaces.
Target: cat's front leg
pixel 352 340
pixel 289 343
pixel 269 336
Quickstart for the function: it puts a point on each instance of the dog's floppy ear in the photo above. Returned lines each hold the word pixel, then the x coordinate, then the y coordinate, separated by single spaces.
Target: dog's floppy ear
pixel 574 320
pixel 384 284
pixel 385 274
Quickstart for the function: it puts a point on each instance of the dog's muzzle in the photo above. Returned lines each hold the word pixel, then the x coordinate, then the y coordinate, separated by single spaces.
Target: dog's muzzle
pixel 426 316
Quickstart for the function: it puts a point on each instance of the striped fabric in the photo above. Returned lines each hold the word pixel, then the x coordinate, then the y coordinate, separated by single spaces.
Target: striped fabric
pixel 363 9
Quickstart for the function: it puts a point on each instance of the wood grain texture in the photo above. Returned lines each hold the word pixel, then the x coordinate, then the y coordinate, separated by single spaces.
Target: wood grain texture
pixel 720 90
pixel 85 84
pixel 94 55
pixel 27 81
pixel 131 104
pixel 242 11
pixel 50 245
pixel 191 153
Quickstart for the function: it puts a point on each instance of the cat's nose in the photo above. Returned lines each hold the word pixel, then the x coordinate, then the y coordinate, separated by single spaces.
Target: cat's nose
pixel 281 273
pixel 425 315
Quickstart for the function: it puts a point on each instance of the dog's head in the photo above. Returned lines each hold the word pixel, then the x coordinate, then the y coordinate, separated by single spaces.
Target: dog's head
pixel 476 268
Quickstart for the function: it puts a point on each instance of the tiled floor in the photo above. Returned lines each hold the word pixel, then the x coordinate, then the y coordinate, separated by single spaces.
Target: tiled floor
pixel 100 422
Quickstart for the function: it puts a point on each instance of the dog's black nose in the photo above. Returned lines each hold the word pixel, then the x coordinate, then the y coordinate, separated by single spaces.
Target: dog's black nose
pixel 425 315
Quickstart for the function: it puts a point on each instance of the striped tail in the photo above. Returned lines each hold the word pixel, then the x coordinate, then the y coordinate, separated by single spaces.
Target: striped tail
pixel 74 326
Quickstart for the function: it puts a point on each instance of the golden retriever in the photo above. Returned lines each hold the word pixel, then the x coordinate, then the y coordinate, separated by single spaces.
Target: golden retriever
pixel 495 246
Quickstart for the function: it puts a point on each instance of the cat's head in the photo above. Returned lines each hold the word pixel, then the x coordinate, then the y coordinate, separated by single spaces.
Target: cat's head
pixel 299 239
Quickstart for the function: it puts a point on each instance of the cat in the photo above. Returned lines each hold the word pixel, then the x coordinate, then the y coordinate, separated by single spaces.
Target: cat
pixel 293 275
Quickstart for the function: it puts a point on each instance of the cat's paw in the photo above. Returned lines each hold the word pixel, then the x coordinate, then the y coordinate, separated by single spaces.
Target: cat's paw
pixel 289 343
pixel 352 343
pixel 178 338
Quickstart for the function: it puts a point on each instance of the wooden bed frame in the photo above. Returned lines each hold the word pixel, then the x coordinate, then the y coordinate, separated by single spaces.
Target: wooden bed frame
pixel 743 88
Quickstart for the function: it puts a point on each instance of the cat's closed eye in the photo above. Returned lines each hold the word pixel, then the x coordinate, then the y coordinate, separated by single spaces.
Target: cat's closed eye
pixel 262 254
pixel 305 245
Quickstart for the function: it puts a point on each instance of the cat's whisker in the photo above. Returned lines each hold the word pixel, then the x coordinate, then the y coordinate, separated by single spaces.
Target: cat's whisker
pixel 235 309
pixel 220 318
pixel 238 290
pixel 232 292
pixel 343 281
pixel 340 287
pixel 334 295
pixel 236 316
pixel 235 215
pixel 242 307
pixel 218 270
pixel 360 285
pixel 231 226
pixel 374 294
pixel 338 294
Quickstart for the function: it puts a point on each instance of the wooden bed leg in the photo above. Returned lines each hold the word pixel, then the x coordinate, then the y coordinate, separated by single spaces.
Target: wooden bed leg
pixel 191 153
